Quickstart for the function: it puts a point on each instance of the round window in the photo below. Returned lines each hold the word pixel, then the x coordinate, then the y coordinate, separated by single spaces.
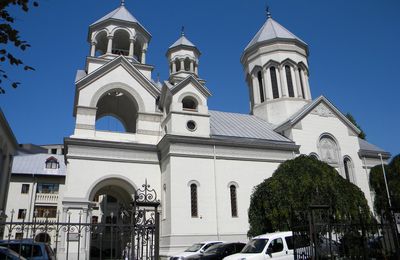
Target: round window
pixel 191 125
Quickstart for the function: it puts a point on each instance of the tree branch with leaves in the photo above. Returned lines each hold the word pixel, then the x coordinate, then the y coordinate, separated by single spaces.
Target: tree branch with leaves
pixel 10 37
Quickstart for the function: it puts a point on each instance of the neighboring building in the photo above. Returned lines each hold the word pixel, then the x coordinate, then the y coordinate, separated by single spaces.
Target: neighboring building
pixel 37 180
pixel 203 164
pixel 8 146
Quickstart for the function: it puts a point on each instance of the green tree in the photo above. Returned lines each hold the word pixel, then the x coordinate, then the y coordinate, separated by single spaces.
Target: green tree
pixel 377 183
pixel 10 40
pixel 297 184
pixel 362 134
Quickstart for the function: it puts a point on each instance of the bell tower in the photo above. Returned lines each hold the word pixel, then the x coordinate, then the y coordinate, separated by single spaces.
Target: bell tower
pixel 117 33
pixel 276 68
pixel 183 57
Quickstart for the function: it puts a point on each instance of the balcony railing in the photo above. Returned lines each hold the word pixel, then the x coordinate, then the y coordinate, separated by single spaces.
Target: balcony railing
pixel 46 198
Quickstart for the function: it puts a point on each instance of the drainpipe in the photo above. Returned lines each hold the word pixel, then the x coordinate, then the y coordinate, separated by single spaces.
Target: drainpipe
pixel 215 191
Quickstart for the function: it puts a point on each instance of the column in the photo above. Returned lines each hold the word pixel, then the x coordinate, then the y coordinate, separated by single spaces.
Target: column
pixel 144 50
pixel 281 82
pixel 191 66
pixel 267 84
pixel 306 85
pixel 109 45
pixel 196 69
pixel 131 47
pixel 256 89
pixel 296 82
pixel 173 67
pixel 143 60
pixel 93 49
pixel 182 64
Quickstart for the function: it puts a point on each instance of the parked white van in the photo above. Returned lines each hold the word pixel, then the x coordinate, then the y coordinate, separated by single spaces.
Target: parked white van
pixel 278 245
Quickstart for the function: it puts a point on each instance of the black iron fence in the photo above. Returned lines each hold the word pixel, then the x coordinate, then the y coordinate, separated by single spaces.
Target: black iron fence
pixel 129 234
pixel 323 237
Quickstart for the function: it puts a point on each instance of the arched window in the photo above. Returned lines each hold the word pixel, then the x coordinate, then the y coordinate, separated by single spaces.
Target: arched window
pixel 348 168
pixel 187 64
pixel 274 82
pixel 101 44
pixel 329 150
pixel 188 103
pixel 193 200
pixel 289 81
pixel 177 65
pixel 52 163
pixel 314 156
pixel 232 189
pixel 260 85
pixel 120 43
pixel 301 83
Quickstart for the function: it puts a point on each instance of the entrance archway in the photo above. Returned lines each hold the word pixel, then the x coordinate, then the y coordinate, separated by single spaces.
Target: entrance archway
pixel 111 209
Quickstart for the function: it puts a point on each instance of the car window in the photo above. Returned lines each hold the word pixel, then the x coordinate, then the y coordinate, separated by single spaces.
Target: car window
pixel 215 249
pixel 255 246
pixel 239 247
pixel 27 250
pixel 289 242
pixel 275 246
pixel 229 249
pixel 194 247
pixel 208 245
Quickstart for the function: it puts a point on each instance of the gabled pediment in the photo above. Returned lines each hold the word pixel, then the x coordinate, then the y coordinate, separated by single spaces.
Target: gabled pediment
pixel 190 79
pixel 321 107
pixel 110 66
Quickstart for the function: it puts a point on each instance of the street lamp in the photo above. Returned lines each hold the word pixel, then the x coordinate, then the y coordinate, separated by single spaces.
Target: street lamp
pixel 384 177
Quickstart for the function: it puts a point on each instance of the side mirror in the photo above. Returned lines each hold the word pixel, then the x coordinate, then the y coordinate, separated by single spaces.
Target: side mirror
pixel 269 251
pixel 201 251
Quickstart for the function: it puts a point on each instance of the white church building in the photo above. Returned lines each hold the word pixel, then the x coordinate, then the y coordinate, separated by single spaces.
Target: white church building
pixel 202 163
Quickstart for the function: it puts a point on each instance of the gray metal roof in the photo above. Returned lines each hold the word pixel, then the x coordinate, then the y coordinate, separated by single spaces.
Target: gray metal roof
pixel 242 125
pixel 35 164
pixel 121 13
pixel 364 145
pixel 182 41
pixel 272 30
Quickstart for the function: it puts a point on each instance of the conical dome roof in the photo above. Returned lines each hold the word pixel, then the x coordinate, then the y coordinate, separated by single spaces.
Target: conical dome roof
pixel 121 14
pixel 182 41
pixel 272 30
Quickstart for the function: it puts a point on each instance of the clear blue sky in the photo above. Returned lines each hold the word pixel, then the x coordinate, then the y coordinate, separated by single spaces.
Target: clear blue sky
pixel 354 56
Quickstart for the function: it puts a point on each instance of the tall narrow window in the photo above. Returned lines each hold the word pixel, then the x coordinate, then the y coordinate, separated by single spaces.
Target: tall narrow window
pixel 348 169
pixel 274 81
pixel 233 201
pixel 289 81
pixel 193 200
pixel 260 85
pixel 301 83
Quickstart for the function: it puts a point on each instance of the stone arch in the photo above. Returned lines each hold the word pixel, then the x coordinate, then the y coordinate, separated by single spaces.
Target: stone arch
pixel 113 31
pixel 121 41
pixel 114 180
pixel 303 66
pixel 122 86
pixel 121 105
pixel 289 62
pixel 193 182
pixel 329 149
pixel 192 95
pixel 100 39
pixel 271 63
pixel 348 167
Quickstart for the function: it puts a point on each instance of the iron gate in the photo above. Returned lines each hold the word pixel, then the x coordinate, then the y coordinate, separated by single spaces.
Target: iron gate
pixel 133 233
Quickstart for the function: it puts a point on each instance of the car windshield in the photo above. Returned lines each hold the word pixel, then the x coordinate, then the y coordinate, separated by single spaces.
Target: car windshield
pixel 194 247
pixel 255 246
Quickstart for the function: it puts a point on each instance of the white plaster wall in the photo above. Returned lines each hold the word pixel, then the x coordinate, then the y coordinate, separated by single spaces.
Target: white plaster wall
pixel 278 110
pixel 17 200
pixel 83 174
